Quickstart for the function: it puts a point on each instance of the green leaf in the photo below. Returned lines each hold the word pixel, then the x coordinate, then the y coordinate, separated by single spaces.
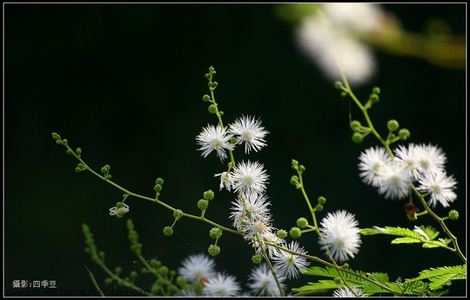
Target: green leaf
pixel 317 287
pixel 439 277
pixel 405 240
pixel 422 234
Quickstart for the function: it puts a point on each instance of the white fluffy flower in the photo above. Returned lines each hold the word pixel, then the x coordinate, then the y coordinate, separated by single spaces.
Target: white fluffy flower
pixel 287 264
pixel 395 181
pixel 358 17
pixel 214 138
pixel 421 159
pixel 197 267
pixel 225 180
pixel 339 235
pixel 249 207
pixel 372 162
pixel 221 285
pixel 262 282
pixel 345 292
pixel 249 177
pixel 332 47
pixel 440 186
pixel 248 130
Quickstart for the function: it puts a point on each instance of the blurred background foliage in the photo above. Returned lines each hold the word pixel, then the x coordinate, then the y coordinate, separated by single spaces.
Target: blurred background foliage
pixel 124 82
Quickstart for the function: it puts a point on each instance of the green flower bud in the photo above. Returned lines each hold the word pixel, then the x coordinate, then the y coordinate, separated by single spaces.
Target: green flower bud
pixel 295 232
pixel 295 164
pixel 181 281
pixel 163 270
pixel 58 142
pixel 321 200
pixel 69 151
pixel 78 151
pixel 108 280
pixel 294 180
pixel 213 250
pixel 374 98
pixel 376 90
pixel 453 214
pixel 208 195
pixel 157 188
pixel 214 84
pixel 155 263
pixel 212 108
pixel 404 134
pixel 338 280
pixel 206 98
pixel 357 137
pixel 168 231
pixel 393 125
pixel 319 207
pixel 339 85
pixel 215 233
pixel 355 125
pixel 159 181
pixel 282 234
pixel 102 254
pixel 118 270
pixel 202 204
pixel 221 113
pixel 133 275
pixel 55 136
pixel 302 222
pixel 256 259
pixel 105 169
pixel 301 168
pixel 64 142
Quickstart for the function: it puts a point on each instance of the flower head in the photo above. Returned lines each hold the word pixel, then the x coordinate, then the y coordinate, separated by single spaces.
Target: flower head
pixel 287 264
pixel 249 177
pixel 372 162
pixel 440 186
pixel 221 285
pixel 421 159
pixel 346 292
pixel 249 207
pixel 214 138
pixel 197 267
pixel 119 210
pixel 248 130
pixel 394 181
pixel 339 235
pixel 262 282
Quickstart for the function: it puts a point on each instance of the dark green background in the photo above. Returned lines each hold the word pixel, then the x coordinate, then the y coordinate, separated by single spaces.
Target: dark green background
pixel 124 82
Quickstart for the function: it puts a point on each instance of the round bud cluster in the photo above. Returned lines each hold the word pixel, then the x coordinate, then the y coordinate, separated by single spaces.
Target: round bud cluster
pixel 215 233
pixel 302 223
pixel 158 186
pixel 168 231
pixel 213 250
pixel 256 259
pixel 295 232
pixel 282 234
pixel 453 214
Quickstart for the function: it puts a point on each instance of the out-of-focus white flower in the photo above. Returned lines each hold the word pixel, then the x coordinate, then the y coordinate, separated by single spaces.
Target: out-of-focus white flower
pixel 440 186
pixel 358 17
pixel 249 177
pixel 372 161
pixel 225 180
pixel 345 292
pixel 287 264
pixel 221 285
pixel 197 267
pixel 334 49
pixel 248 130
pixel 339 235
pixel 262 282
pixel 214 138
pixel 395 181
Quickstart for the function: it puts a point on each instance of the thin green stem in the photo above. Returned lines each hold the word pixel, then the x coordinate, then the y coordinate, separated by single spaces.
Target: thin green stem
pixel 121 281
pixel 95 283
pixel 307 200
pixel 271 268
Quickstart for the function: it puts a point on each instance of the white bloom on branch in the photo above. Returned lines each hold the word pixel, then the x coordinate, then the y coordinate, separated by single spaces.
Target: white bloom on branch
pixel 221 285
pixel 372 162
pixel 197 267
pixel 249 177
pixel 262 282
pixel 421 159
pixel 346 292
pixel 249 207
pixel 287 264
pixel 248 130
pixel 395 181
pixel 214 138
pixel 440 186
pixel 225 181
pixel 339 235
